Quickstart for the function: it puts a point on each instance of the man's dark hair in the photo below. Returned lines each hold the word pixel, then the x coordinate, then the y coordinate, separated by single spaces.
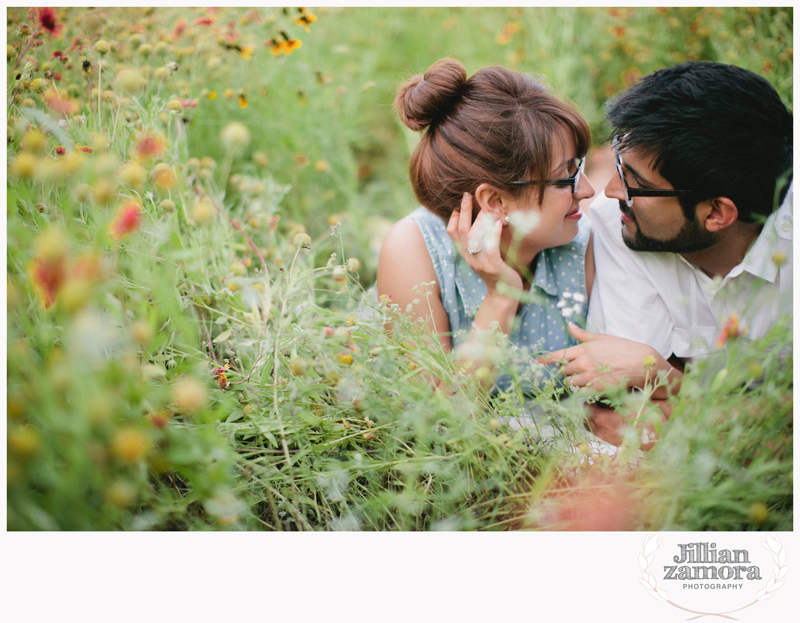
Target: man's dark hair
pixel 718 130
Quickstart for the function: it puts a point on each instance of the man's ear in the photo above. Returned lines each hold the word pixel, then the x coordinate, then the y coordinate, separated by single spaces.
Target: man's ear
pixel 490 200
pixel 717 214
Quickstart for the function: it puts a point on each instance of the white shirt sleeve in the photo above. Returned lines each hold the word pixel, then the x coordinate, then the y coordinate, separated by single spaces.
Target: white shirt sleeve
pixel 624 302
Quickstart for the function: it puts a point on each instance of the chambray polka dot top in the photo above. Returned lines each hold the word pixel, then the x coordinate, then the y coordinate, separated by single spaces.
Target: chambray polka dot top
pixel 540 326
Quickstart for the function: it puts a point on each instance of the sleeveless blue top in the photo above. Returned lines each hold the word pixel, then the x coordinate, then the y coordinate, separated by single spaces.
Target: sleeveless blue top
pixel 539 327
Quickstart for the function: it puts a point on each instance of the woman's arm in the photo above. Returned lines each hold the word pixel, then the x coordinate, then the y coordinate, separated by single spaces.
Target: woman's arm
pixel 403 265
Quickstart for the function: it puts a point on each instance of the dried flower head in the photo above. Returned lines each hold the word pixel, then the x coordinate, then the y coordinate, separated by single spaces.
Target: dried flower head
pixel 235 136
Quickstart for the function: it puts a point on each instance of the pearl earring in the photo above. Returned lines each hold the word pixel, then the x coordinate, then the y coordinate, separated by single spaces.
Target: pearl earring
pixel 505 219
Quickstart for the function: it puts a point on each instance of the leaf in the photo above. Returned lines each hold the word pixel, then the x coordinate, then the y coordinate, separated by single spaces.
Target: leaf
pixel 645 584
pixel 782 572
pixel 763 597
pixel 774 544
pixel 663 594
pixel 223 336
pixel 49 123
pixel 782 557
pixel 776 586
pixel 651 544
pixel 643 562
pixel 655 594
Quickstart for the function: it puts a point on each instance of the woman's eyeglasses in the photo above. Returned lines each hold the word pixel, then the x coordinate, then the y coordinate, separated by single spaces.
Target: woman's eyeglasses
pixel 564 181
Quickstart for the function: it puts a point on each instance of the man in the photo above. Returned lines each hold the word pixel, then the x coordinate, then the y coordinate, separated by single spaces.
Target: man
pixel 688 244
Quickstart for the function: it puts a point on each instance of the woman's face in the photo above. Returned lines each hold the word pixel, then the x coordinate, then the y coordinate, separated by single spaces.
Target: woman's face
pixel 535 226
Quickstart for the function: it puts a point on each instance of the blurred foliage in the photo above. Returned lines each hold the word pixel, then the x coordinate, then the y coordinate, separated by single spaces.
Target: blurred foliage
pixel 195 201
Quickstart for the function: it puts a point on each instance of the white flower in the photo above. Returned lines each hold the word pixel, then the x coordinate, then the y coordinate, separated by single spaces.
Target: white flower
pixel 566 295
pixel 524 221
pixel 579 297
pixel 567 312
pixel 577 308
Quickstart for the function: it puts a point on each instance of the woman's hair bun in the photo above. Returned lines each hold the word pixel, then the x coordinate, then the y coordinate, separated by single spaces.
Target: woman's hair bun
pixel 423 100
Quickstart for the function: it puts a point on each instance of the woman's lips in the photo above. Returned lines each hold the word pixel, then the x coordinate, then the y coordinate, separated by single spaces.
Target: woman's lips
pixel 575 214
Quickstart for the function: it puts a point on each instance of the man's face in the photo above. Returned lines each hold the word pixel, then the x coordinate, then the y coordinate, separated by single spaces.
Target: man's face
pixel 654 223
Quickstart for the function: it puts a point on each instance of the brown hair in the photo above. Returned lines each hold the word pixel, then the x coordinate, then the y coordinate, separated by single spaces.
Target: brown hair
pixel 496 127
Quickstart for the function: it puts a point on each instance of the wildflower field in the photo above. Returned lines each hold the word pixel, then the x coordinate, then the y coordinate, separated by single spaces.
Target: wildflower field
pixel 195 202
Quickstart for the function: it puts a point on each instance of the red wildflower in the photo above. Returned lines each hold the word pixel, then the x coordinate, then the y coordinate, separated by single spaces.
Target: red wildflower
pixel 204 21
pixel 84 148
pixel 730 330
pixel 48 276
pixel 57 54
pixel 48 20
pixel 60 151
pixel 150 147
pixel 189 103
pixel 127 220
pixel 179 28
pixel 222 378
pixel 76 42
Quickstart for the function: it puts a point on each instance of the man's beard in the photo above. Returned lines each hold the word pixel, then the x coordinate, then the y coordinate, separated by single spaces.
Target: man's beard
pixel 692 237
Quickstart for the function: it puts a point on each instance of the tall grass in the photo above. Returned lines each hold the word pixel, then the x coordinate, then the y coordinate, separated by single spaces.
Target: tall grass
pixel 191 339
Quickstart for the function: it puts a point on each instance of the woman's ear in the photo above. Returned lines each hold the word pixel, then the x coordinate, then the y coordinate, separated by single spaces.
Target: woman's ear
pixel 490 200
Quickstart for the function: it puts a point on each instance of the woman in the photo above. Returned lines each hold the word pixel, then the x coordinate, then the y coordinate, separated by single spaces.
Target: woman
pixel 499 173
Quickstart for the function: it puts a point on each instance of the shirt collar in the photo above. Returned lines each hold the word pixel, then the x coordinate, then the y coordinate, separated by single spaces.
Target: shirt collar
pixel 758 260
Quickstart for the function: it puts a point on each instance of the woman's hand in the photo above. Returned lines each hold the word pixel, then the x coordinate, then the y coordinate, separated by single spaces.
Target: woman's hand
pixel 484 236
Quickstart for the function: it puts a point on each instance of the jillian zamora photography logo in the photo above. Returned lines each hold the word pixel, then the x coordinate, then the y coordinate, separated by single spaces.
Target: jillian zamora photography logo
pixel 718 575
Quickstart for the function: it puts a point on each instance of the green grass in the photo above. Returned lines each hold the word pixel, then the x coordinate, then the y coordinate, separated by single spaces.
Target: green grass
pixel 205 371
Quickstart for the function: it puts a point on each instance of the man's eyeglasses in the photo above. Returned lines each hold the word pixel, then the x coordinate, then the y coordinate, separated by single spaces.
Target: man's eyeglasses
pixel 630 193
pixel 564 181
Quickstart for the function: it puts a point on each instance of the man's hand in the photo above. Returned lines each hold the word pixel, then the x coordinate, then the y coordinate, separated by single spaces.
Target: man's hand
pixel 602 361
pixel 610 425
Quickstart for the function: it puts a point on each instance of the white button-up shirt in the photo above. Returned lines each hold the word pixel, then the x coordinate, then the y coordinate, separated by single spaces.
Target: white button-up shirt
pixel 663 300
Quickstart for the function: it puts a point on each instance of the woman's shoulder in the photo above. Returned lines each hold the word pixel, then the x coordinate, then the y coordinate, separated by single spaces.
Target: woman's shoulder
pixel 433 230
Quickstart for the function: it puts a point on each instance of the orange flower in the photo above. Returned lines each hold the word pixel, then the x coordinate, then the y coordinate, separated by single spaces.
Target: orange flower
pixel 305 19
pixel 287 45
pixel 127 220
pixel 242 100
pixel 246 53
pixel 730 330
pixel 84 148
pixel 60 103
